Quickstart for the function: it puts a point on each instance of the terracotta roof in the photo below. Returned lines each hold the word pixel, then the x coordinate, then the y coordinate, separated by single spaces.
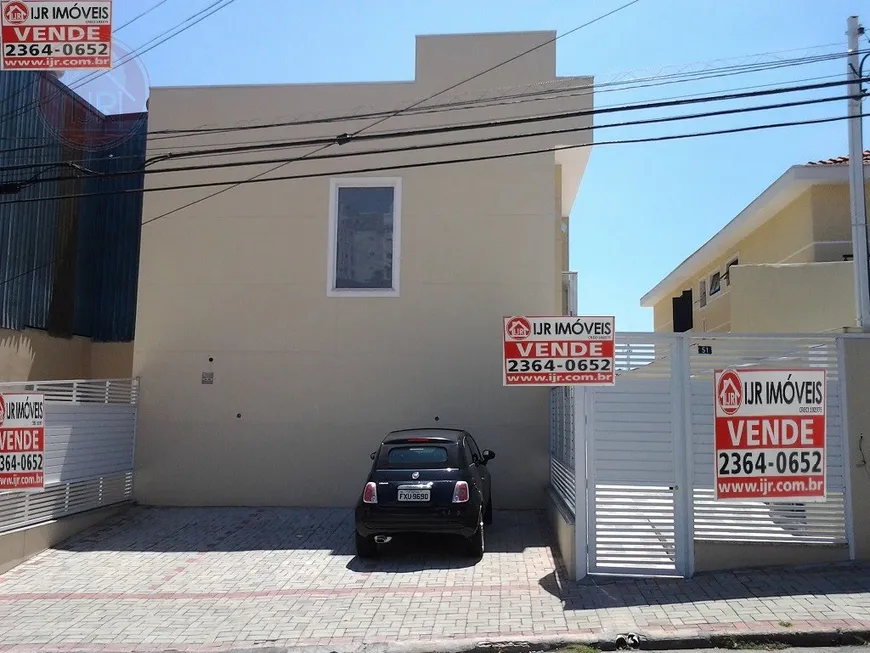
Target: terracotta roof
pixel 839 160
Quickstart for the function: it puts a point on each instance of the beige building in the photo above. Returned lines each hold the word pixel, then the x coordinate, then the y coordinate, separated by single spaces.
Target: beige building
pixel 782 266
pixel 284 327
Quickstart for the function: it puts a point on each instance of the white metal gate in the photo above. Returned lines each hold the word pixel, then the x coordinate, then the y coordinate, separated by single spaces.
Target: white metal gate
pixel 90 430
pixel 644 455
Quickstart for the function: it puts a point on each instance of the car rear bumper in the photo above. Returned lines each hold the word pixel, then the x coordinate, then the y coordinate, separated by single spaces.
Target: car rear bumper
pixel 394 521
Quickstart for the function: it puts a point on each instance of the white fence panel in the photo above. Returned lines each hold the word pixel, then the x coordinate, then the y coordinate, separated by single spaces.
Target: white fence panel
pixel 632 517
pixel 649 448
pixel 758 521
pixel 562 442
pixel 90 431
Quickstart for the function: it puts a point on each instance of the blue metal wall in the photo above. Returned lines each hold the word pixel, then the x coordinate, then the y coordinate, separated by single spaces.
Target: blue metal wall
pixel 67 266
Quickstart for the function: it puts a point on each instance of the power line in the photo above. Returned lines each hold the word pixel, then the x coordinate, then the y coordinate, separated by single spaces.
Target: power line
pixel 343 139
pixel 325 146
pixel 471 160
pixel 324 142
pixel 426 164
pixel 475 141
pixel 545 94
pixel 144 13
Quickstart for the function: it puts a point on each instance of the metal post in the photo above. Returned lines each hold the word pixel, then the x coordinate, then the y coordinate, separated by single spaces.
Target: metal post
pixel 846 444
pixel 856 179
pixel 681 393
pixel 581 486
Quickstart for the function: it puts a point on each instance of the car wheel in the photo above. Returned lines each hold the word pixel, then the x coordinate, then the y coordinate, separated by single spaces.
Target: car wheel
pixel 487 514
pixel 476 543
pixel 365 546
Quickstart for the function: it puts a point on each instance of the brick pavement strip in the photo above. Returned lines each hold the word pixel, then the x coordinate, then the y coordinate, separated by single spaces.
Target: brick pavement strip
pixel 206 580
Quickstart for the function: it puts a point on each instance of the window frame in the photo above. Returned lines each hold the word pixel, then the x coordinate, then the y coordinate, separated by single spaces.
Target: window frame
pixel 337 183
pixel 703 293
pixel 732 261
pixel 710 291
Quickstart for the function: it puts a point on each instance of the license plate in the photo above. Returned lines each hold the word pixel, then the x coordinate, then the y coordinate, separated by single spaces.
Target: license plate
pixel 414 495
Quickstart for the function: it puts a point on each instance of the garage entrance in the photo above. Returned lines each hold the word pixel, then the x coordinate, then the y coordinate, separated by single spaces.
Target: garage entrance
pixel 636 460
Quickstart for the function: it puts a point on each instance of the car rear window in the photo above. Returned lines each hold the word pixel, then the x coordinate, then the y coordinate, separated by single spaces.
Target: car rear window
pixel 417 455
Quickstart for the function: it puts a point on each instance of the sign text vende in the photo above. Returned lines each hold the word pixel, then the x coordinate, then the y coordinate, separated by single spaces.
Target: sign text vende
pixel 558 351
pixel 770 434
pixel 56 35
pixel 22 441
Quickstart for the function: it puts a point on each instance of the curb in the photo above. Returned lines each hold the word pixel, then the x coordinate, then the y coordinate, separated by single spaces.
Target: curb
pixel 807 639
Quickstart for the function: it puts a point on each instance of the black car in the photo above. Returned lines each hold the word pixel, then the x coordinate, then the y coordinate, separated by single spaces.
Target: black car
pixel 425 480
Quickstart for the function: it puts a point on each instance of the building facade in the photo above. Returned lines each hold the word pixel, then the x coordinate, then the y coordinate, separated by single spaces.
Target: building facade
pixel 68 266
pixel 784 265
pixel 283 328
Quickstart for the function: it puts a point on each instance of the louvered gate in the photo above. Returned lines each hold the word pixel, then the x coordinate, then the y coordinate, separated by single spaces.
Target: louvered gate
pixel 633 447
pixel 646 445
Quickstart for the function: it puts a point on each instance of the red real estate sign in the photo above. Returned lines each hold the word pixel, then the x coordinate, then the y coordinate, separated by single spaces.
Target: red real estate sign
pixel 770 435
pixel 22 442
pixel 558 351
pixel 56 34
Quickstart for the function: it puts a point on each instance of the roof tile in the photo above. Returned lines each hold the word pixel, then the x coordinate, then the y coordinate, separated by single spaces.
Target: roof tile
pixel 840 160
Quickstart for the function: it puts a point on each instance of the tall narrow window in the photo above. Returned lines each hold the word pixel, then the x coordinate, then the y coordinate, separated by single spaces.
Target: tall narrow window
pixel 702 293
pixel 364 221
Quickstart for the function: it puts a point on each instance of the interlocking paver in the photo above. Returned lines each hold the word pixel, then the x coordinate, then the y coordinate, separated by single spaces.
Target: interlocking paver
pixel 201 579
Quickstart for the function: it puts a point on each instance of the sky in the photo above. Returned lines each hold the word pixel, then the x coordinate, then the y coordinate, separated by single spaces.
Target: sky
pixel 642 208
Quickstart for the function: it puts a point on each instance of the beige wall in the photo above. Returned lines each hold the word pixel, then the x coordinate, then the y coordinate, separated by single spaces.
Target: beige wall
pixel 790 298
pixel 305 385
pixel 111 360
pixel 788 235
pixel 33 355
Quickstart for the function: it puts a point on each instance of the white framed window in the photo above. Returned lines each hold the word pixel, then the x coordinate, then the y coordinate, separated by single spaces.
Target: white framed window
pixel 365 216
pixel 702 293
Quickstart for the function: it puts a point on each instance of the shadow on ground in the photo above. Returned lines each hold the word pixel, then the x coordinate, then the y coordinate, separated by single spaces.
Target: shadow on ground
pixel 596 592
pixel 289 529
pixel 180 530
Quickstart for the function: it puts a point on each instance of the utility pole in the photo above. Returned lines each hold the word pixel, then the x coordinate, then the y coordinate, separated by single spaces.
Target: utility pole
pixel 860 259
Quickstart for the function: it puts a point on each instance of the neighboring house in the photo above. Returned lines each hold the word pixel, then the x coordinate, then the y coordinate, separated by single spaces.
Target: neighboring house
pixel 68 268
pixel 284 328
pixel 782 265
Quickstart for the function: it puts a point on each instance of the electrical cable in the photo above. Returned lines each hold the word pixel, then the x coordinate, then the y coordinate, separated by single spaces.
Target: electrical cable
pixel 343 139
pixel 259 176
pixel 474 141
pixel 144 13
pixel 524 97
pixel 427 164
pixel 594 87
pixel 449 162
pixel 358 136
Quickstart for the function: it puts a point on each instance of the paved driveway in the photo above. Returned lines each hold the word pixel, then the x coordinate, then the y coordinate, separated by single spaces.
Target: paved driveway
pixel 197 579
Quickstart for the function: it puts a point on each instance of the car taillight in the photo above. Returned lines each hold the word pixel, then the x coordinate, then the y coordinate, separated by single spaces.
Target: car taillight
pixel 460 492
pixel 370 494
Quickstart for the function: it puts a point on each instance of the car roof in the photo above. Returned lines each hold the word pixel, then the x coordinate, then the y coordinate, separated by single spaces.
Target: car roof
pixel 437 434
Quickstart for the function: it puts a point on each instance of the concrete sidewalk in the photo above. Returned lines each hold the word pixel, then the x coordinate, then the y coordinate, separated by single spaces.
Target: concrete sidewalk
pixel 221 579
